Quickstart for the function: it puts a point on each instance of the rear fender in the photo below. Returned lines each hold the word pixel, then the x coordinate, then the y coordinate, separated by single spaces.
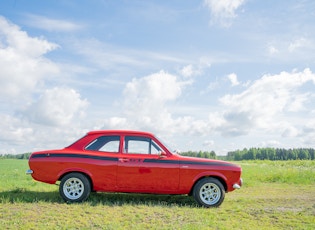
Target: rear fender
pixel 70 170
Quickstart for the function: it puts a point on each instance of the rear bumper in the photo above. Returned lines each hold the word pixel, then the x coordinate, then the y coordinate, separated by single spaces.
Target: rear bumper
pixel 29 172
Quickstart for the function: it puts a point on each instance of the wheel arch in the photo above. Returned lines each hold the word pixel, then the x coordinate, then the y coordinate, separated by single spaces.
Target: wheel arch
pixel 220 178
pixel 83 172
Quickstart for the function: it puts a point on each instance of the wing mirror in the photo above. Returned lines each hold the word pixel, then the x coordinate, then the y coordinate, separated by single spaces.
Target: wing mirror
pixel 162 154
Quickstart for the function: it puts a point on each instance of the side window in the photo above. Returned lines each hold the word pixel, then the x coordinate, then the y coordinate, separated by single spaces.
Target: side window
pixel 140 145
pixel 105 144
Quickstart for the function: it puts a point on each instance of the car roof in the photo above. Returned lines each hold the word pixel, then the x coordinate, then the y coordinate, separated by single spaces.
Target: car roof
pixel 119 132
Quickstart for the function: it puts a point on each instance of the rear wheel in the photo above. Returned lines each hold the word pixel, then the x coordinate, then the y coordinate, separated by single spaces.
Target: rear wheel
pixel 74 187
pixel 209 192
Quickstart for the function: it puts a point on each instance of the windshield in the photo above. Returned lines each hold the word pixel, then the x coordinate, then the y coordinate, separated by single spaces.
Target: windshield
pixel 167 145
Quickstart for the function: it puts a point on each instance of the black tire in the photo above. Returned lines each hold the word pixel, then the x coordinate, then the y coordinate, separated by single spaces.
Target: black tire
pixel 209 192
pixel 74 187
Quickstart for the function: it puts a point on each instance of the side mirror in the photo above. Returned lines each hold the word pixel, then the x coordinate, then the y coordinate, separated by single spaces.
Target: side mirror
pixel 162 154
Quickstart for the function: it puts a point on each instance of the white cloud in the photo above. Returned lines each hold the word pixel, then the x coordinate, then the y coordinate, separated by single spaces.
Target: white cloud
pixel 290 131
pixel 50 24
pixel 271 104
pixel 22 64
pixel 196 69
pixel 208 144
pixel 24 70
pixel 145 99
pixel 187 71
pixel 146 105
pixel 233 78
pixel 272 50
pixel 265 103
pixel 298 44
pixel 56 107
pixel 223 11
pixel 298 49
pixel 14 130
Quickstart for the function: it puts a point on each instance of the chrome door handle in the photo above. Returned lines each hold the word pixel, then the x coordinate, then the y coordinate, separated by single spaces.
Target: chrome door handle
pixel 123 159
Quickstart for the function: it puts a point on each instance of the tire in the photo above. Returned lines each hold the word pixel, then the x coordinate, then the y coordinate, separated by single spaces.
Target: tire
pixel 209 192
pixel 74 187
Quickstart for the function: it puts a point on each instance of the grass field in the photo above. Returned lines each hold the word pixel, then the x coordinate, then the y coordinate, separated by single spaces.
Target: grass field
pixel 276 195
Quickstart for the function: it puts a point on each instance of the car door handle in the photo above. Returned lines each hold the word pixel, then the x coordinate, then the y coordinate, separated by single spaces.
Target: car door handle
pixel 123 159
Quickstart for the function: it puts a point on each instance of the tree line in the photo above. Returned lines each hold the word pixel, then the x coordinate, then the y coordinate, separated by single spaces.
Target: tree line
pixel 15 156
pixel 200 154
pixel 271 154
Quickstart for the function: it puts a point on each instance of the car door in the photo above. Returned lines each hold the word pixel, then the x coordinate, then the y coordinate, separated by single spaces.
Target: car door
pixel 142 168
pixel 104 150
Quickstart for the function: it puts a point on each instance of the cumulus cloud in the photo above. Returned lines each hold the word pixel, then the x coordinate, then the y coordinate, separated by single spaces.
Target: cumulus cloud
pixel 57 107
pixel 145 99
pixel 233 78
pixel 223 11
pixel 146 105
pixel 187 71
pixel 300 48
pixel 24 70
pixel 196 69
pixel 270 106
pixel 13 130
pixel 264 103
pixel 22 64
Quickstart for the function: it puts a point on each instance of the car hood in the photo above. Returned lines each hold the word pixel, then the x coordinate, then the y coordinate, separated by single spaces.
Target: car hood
pixel 197 160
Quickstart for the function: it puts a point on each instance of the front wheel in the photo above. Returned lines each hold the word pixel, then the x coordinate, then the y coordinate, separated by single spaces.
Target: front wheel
pixel 209 192
pixel 74 187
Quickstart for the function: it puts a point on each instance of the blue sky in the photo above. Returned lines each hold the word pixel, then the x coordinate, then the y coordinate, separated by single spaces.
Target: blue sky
pixel 203 75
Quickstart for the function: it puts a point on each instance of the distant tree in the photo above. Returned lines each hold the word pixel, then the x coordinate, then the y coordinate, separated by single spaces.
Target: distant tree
pixel 213 155
pixel 303 154
pixel 311 153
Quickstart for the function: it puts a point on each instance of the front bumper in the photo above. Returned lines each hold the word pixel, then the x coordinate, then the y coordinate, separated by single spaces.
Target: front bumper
pixel 29 171
pixel 238 185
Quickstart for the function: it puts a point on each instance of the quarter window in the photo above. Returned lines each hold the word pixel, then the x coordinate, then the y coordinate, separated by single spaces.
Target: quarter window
pixel 105 144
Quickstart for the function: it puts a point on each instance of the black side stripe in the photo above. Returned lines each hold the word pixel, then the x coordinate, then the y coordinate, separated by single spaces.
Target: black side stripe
pixel 185 162
pixel 160 161
pixel 205 163
pixel 75 156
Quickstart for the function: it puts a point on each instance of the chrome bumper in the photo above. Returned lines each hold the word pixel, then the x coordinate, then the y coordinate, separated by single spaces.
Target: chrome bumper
pixel 238 186
pixel 29 171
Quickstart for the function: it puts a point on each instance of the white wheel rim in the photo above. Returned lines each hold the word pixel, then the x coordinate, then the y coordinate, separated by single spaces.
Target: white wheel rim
pixel 73 188
pixel 210 193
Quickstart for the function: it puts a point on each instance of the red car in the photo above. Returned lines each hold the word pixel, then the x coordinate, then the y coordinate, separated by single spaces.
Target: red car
pixel 132 162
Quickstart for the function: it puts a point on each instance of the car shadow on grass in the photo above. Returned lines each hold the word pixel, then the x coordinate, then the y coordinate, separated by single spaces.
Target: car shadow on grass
pixel 120 199
pixel 21 195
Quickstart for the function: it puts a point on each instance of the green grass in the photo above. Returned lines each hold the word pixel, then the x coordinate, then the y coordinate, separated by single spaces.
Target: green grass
pixel 276 195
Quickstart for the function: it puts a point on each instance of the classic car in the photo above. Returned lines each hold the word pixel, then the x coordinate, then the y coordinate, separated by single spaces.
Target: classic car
pixel 132 162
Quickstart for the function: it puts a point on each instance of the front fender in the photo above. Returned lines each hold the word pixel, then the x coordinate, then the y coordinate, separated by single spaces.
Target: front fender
pixel 214 174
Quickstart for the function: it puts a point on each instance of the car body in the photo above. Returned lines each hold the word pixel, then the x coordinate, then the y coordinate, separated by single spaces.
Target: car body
pixel 132 162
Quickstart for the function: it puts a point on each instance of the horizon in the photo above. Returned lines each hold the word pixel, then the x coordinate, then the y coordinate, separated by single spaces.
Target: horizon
pixel 207 75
